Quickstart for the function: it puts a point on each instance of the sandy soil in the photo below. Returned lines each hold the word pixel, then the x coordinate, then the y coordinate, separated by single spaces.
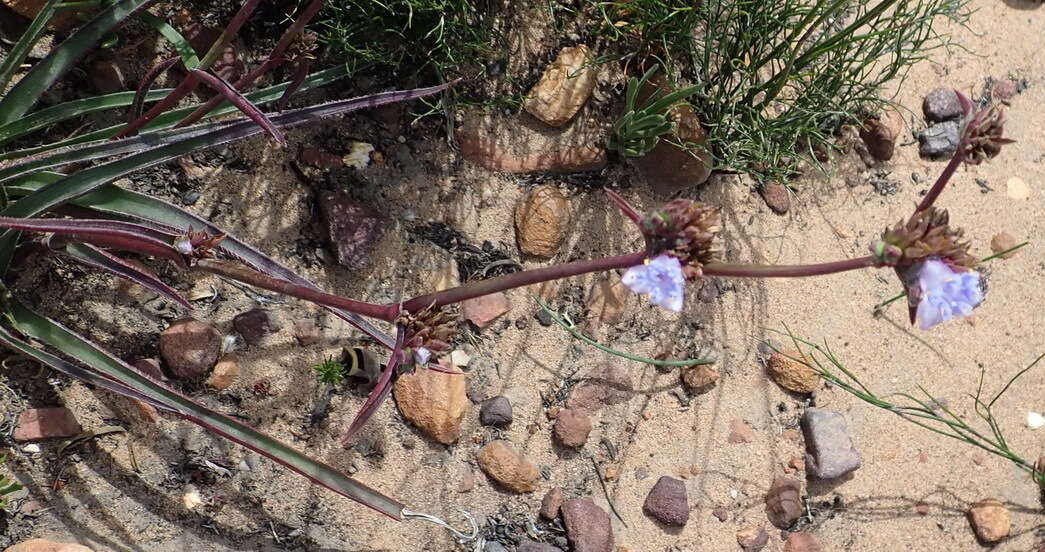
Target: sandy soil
pixel 123 492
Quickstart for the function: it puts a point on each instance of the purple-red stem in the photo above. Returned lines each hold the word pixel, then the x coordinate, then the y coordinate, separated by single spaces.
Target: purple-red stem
pixel 942 181
pixel 183 89
pixel 146 84
pixel 275 59
pixel 518 279
pixel 787 271
pixel 226 36
pixel 380 391
pixel 225 90
pixel 258 279
pixel 242 83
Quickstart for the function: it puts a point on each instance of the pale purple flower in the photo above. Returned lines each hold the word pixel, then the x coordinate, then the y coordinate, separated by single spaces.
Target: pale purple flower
pixel 422 355
pixel 661 277
pixel 945 293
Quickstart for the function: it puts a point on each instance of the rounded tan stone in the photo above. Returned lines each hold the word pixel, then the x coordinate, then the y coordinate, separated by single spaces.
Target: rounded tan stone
pixel 791 374
pixel 508 467
pixel 542 218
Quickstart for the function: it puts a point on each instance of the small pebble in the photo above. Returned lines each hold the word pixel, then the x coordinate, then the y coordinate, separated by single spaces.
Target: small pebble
pixel 1003 241
pixel 1035 420
pixel 1016 188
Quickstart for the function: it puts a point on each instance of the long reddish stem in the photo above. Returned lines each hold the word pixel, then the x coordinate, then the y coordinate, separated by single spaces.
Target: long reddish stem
pixel 242 83
pixel 184 88
pixel 518 279
pixel 942 181
pixel 258 279
pixel 787 271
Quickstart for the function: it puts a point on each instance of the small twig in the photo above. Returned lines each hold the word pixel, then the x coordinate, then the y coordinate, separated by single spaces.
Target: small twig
pixel 605 491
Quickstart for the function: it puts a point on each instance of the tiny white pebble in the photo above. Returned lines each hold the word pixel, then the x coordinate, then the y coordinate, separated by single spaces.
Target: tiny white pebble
pixel 358 155
pixel 1035 420
pixel 31 449
pixel 191 499
pixel 734 493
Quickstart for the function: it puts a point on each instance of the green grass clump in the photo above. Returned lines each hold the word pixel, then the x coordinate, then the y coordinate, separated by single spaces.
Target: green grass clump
pixel 404 36
pixel 330 372
pixel 777 79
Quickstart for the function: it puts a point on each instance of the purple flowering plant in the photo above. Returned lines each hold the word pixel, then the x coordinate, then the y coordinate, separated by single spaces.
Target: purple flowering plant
pixel 680 245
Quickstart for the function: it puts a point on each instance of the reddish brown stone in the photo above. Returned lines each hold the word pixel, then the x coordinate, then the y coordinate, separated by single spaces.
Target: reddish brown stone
pixel 38 424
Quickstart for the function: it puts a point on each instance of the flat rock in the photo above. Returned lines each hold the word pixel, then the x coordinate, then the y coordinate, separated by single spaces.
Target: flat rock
pixel 352 228
pixel 496 411
pixel 941 105
pixel 700 378
pixel 526 145
pixel 225 372
pixel 41 545
pixel 784 501
pixel 510 468
pixel 791 374
pixel 38 424
pixel 572 427
pixel 939 141
pixel 776 197
pixel 830 452
pixel 802 542
pixel 189 348
pixel 587 526
pixel 990 520
pixel 667 502
pixel 483 310
pixel 433 401
pixel 542 218
pixel 753 539
pixel 551 504
pixel 255 324
pixel 604 385
pixel 563 87
pixel 320 159
pixel 740 432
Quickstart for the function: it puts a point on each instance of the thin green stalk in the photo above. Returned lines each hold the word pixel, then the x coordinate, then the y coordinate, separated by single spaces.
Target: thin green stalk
pixel 578 335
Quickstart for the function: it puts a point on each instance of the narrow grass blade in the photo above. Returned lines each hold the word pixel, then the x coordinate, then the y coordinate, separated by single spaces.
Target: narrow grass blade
pixel 27 91
pixel 185 51
pixel 86 180
pixel 222 87
pixel 53 334
pixel 103 260
pixel 168 119
pixel 72 370
pixel 17 54
pixel 73 108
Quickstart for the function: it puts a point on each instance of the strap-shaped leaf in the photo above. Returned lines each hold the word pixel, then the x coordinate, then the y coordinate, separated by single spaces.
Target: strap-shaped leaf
pixel 73 108
pixel 168 119
pixel 55 335
pixel 219 85
pixel 27 91
pixel 118 202
pixel 103 260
